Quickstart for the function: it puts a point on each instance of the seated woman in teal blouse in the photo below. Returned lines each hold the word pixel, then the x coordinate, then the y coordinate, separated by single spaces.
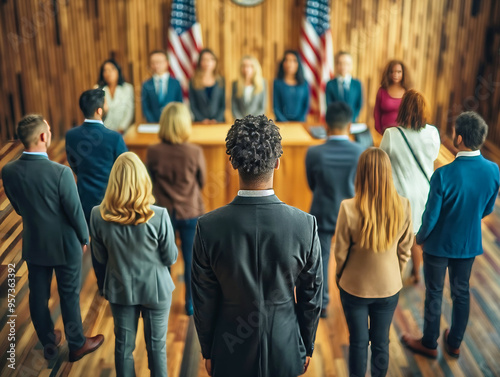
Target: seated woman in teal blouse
pixel 290 90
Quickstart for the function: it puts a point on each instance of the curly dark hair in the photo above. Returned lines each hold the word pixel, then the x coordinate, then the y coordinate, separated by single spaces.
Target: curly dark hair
pixel 253 145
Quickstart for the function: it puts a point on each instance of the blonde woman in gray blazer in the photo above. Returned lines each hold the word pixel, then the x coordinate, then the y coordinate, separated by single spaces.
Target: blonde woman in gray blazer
pixel 249 91
pixel 135 241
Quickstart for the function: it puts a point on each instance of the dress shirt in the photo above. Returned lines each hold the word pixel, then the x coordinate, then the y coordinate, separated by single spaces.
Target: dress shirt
pixel 93 121
pixel 341 79
pixel 338 137
pixel 468 153
pixel 255 193
pixel 158 79
pixel 37 153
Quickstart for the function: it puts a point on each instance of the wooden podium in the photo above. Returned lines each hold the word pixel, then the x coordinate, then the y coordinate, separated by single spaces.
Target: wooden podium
pixel 290 182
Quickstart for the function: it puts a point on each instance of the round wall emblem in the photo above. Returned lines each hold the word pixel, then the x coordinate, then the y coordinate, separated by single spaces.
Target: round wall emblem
pixel 248 3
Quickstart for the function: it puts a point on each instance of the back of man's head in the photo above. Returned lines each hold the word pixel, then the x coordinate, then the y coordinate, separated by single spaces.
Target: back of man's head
pixel 90 101
pixel 338 115
pixel 254 145
pixel 473 129
pixel 30 128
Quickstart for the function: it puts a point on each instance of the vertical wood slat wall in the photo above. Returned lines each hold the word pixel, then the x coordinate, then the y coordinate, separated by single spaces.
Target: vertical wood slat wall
pixel 51 50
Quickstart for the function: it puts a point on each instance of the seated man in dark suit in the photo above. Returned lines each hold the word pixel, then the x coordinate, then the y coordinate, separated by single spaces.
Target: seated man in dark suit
pixel 330 169
pixel 159 90
pixel 91 150
pixel 248 257
pixel 54 230
pixel 344 87
pixel 461 194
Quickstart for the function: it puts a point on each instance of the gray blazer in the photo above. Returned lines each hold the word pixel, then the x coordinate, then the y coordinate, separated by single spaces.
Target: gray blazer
pixel 44 193
pixel 136 257
pixel 203 107
pixel 256 106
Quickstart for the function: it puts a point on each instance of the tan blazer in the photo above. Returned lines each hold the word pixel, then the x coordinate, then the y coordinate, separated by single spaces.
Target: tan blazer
pixel 367 274
pixel 178 175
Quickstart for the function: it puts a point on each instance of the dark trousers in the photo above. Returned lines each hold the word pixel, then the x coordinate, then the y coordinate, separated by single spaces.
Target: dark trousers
pixel 186 229
pixel 434 273
pixel 378 313
pixel 68 284
pixel 325 240
pixel 126 318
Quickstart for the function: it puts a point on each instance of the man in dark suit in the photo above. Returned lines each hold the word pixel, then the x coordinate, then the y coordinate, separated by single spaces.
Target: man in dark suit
pixel 330 169
pixel 249 256
pixel 344 87
pixel 92 149
pixel 461 194
pixel 159 90
pixel 44 194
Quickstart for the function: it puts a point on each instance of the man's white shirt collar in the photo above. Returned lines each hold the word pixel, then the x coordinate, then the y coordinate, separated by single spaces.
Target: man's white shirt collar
pixel 468 153
pixel 255 193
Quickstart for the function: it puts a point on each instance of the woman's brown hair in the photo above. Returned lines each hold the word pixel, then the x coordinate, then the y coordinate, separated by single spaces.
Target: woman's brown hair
pixel 198 73
pixel 386 76
pixel 377 200
pixel 413 111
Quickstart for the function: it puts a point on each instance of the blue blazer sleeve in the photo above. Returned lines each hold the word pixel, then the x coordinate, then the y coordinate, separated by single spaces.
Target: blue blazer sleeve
pixel 305 102
pixel 178 90
pixel 310 163
pixel 70 202
pixel 278 102
pixel 432 208
pixel 358 102
pixel 221 108
pixel 330 92
pixel 491 203
pixel 193 103
pixel 147 111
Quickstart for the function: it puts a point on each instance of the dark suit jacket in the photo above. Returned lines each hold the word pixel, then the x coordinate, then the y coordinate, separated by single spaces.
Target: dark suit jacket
pixel 461 194
pixel 205 108
pixel 247 258
pixel 355 100
pixel 92 150
pixel 44 194
pixel 331 169
pixel 178 173
pixel 151 107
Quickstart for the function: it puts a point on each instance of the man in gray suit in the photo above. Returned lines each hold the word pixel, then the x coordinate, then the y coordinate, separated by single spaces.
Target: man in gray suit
pixel 248 258
pixel 44 194
pixel 331 168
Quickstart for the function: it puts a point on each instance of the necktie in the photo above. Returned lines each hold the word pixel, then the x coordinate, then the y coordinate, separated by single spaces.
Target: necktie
pixel 346 91
pixel 160 91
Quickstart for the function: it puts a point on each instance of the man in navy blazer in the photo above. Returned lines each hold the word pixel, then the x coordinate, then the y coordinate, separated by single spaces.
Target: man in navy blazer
pixel 331 168
pixel 159 90
pixel 44 193
pixel 343 87
pixel 91 150
pixel 461 194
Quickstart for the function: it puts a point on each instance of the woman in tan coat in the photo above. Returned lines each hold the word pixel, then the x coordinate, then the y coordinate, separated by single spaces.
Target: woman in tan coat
pixel 373 240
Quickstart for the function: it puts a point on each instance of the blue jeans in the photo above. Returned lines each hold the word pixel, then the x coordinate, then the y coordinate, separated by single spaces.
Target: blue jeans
pixel 186 229
pixel 379 312
pixel 325 241
pixel 434 274
pixel 126 318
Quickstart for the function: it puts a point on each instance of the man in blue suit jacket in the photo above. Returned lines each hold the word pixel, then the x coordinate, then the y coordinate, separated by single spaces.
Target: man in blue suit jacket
pixel 461 194
pixel 330 169
pixel 91 150
pixel 343 87
pixel 159 90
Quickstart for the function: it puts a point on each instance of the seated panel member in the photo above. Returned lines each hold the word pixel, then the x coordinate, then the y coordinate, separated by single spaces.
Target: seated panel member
pixel 248 259
pixel 344 87
pixel 330 169
pixel 207 90
pixel 159 90
pixel 290 90
pixel 249 91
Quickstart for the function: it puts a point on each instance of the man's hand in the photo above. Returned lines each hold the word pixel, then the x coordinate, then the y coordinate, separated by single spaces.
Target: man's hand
pixel 84 248
pixel 208 366
pixel 306 364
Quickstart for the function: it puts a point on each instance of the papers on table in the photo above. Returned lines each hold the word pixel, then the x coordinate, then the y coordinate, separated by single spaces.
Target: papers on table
pixel 148 128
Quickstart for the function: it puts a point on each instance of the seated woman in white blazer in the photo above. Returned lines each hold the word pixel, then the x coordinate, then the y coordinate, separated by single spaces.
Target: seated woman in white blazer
pixel 249 91
pixel 135 241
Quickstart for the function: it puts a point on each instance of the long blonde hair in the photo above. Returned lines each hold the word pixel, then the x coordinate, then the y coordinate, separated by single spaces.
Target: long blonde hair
pixel 257 80
pixel 175 123
pixel 377 201
pixel 129 194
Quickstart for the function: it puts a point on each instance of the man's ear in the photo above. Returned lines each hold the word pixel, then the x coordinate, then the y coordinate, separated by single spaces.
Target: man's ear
pixel 277 165
pixel 459 139
pixel 43 137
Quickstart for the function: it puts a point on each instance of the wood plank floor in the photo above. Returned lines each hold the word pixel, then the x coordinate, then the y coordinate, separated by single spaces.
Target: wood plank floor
pixel 480 352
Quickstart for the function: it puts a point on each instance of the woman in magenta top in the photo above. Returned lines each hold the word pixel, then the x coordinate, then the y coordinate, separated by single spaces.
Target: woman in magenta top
pixel 395 82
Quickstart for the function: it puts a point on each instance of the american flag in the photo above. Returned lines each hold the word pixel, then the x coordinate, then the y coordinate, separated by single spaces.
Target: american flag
pixel 184 42
pixel 316 52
